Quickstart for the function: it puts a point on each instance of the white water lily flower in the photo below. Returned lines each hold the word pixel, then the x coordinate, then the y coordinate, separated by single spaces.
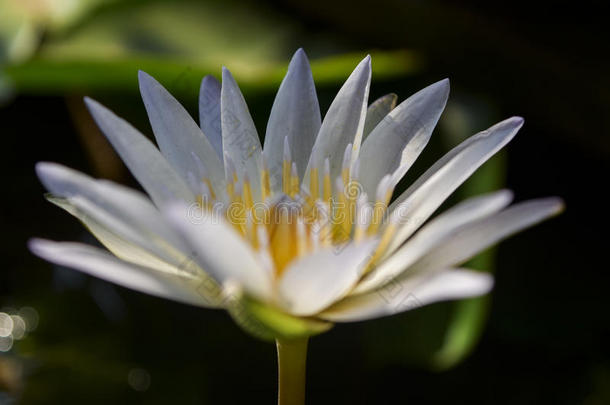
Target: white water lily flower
pixel 296 235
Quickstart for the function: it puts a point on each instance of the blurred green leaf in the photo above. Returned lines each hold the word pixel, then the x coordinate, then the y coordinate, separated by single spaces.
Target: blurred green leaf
pixel 178 43
pixel 22 23
pixel 45 76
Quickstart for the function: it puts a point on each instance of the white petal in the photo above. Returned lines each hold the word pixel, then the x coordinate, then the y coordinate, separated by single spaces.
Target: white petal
pixel 296 115
pixel 142 158
pixel 315 281
pixel 239 137
pixel 377 111
pixel 220 250
pixel 128 205
pixel 121 239
pixel 123 220
pixel 424 196
pixel 177 134
pixel 475 237
pixel 344 122
pixel 416 292
pixel 209 113
pixel 433 234
pixel 399 138
pixel 99 263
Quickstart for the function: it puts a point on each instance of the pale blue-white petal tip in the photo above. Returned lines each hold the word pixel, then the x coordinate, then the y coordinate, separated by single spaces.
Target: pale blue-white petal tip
pixel 92 104
pixel 39 247
pixel 444 84
pixel 506 194
pixel 299 58
pixel 95 108
pixel 366 61
pixel 227 75
pixel 364 67
pixel 209 79
pixel 517 120
pixel 43 169
pixel 512 123
pixel 486 284
pixel 557 205
pixel 442 87
pixel 146 81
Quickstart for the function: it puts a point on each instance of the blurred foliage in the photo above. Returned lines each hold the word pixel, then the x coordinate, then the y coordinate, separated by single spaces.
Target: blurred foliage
pixel 179 42
pixel 23 23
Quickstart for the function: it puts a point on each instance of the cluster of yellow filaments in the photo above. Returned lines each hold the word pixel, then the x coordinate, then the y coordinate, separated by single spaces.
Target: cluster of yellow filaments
pixel 300 219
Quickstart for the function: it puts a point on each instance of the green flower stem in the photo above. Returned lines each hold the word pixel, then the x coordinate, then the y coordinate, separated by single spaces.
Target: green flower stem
pixel 291 359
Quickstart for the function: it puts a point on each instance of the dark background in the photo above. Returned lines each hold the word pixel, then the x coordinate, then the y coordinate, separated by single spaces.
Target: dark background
pixel 546 338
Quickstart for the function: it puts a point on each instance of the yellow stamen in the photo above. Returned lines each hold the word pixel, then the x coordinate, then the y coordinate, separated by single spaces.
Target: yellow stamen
pixel 341 222
pixel 231 190
pixel 301 237
pixel 327 188
pixel 265 184
pixel 345 176
pixel 378 212
pixel 286 177
pixel 236 214
pixel 362 216
pixel 384 242
pixel 251 232
pixel 314 185
pixel 247 191
pixel 283 246
pixel 294 181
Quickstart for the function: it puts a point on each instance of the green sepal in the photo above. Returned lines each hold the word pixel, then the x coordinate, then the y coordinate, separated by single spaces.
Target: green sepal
pixel 268 323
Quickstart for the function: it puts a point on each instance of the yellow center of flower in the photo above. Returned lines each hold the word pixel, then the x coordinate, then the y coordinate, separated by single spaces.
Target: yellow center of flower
pixel 300 219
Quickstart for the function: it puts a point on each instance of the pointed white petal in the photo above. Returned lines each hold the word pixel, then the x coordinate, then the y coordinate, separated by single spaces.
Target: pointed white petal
pixel 423 197
pixel 123 220
pixel 315 281
pixel 416 292
pixel 433 234
pixel 99 263
pixel 120 238
pixel 223 253
pixel 344 121
pixel 295 115
pixel 400 137
pixel 209 113
pixel 377 111
pixel 177 134
pixel 142 158
pixel 127 205
pixel 475 237
pixel 239 137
